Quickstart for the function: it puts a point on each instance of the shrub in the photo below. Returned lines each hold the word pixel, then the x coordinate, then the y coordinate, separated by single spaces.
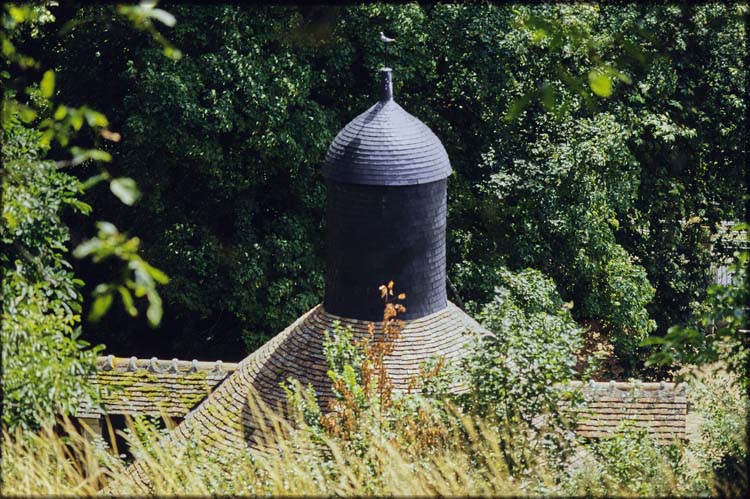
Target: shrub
pixel 533 343
pixel 718 450
pixel 626 464
pixel 513 375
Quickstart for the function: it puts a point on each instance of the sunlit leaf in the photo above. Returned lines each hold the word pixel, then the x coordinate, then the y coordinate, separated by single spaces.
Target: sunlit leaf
pixel 99 155
pixel 131 245
pixel 106 228
pixel 92 181
pixel 538 35
pixel 156 274
pixel 47 84
pixel 18 14
pixel 27 114
pixel 95 118
pixel 125 189
pixel 172 53
pixel 61 112
pixel 653 340
pixel 76 121
pixel 600 82
pixel 47 137
pixel 100 306
pixel 81 155
pixel 613 73
pixel 79 205
pixel 127 301
pixel 154 311
pixel 163 16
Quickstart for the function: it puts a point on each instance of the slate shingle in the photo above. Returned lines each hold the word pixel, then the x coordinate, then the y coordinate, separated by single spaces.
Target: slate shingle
pixel 385 145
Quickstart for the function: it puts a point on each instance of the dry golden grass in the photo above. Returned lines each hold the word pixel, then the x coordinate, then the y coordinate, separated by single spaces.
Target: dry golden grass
pixel 47 464
pixel 468 461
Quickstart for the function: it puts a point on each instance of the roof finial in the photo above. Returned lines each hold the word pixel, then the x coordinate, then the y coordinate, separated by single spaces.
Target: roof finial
pixel 153 365
pixel 386 84
pixel 173 366
pixel 109 364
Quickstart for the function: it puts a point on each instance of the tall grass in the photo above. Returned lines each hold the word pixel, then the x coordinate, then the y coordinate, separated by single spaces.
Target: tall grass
pixel 48 463
pixel 471 459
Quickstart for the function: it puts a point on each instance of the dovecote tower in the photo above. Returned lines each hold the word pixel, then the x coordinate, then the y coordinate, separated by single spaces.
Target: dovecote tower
pixel 386 175
pixel 386 179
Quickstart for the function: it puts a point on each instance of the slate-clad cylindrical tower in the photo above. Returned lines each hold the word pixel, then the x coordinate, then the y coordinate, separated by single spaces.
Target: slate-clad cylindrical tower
pixel 386 177
pixel 386 174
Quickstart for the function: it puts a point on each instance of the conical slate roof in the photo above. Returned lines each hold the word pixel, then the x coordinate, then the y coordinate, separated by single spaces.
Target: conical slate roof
pixel 385 145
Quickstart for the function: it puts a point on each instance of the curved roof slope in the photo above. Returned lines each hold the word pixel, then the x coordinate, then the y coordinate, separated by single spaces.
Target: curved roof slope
pixel 385 145
pixel 224 423
pixel 298 352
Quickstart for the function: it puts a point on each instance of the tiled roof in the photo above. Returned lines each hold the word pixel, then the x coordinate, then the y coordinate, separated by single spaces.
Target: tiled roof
pixel 152 386
pixel 661 407
pixel 139 386
pixel 224 418
pixel 223 422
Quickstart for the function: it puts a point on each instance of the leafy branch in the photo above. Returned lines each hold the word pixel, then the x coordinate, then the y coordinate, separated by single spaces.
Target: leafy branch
pixel 139 278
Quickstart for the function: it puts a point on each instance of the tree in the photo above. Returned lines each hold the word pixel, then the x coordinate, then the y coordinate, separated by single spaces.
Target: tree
pixel 45 362
pixel 583 140
pixel 243 238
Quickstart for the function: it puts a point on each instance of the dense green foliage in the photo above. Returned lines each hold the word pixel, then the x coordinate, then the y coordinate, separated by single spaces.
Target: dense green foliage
pixel 513 376
pixel 628 463
pixel 45 363
pixel 534 343
pixel 597 144
pixel 614 198
pixel 44 360
pixel 720 331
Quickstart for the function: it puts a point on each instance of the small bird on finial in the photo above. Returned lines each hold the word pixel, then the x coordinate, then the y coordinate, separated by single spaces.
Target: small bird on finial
pixel 386 41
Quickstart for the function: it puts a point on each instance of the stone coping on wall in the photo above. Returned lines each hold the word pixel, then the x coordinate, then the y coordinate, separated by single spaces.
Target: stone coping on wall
pixel 131 386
